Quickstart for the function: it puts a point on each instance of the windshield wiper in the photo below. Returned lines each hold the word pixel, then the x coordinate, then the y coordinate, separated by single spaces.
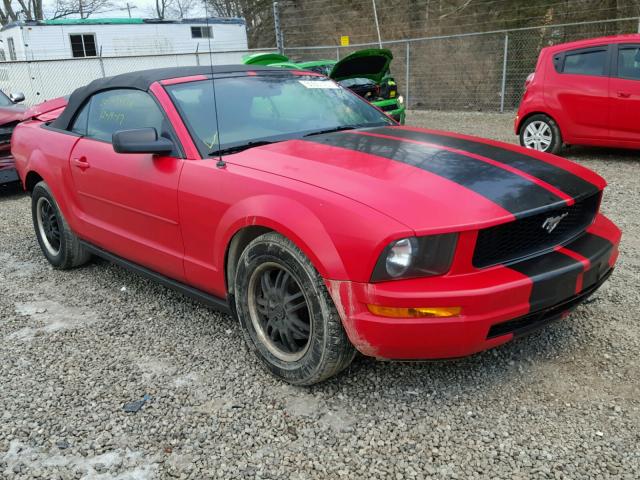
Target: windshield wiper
pixel 240 148
pixel 332 130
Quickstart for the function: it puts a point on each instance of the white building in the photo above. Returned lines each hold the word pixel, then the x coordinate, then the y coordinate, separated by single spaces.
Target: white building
pixel 118 37
pixel 50 59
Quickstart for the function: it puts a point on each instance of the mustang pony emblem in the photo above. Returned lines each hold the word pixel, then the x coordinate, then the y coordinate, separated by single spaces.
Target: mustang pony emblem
pixel 551 223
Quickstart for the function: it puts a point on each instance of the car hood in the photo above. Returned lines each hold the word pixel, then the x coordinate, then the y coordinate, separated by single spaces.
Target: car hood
pixel 13 113
pixel 430 181
pixel 264 59
pixel 47 111
pixel 372 63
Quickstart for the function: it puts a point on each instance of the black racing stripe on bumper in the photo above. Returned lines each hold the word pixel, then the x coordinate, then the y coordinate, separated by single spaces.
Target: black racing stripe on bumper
pixel 512 192
pixel 554 278
pixel 591 246
pixel 598 250
pixel 560 178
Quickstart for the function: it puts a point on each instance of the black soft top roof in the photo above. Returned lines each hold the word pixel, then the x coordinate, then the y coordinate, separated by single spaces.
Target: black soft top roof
pixel 142 80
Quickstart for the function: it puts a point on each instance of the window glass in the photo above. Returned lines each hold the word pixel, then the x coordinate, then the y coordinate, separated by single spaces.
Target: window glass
pixel 4 100
pixel 586 63
pixel 12 49
pixel 83 45
pixel 115 110
pixel 268 108
pixel 201 32
pixel 89 45
pixel 629 63
pixel 80 123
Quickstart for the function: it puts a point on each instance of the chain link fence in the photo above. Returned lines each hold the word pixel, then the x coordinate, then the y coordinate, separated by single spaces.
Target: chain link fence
pixel 42 80
pixel 476 71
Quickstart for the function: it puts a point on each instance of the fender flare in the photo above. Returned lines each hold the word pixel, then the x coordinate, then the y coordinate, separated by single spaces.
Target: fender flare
pixel 288 217
pixel 536 112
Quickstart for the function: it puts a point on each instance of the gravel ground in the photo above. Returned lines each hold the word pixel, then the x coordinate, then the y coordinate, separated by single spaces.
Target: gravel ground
pixel 76 347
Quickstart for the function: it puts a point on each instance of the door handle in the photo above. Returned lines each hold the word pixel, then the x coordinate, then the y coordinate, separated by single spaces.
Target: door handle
pixel 82 163
pixel 624 94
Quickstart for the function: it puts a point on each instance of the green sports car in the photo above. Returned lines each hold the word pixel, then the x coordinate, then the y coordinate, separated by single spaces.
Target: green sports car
pixel 365 72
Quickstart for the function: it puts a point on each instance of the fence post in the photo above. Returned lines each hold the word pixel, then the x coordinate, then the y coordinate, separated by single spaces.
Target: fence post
pixel 197 56
pixel 337 53
pixel 504 72
pixel 101 63
pixel 638 24
pixel 407 76
pixel 276 24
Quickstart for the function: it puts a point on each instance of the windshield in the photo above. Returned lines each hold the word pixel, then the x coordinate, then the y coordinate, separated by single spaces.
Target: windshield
pixel 268 108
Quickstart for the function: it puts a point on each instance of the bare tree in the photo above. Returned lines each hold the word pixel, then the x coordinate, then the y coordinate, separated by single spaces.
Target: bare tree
pixel 84 8
pixel 257 13
pixel 161 8
pixel 20 10
pixel 183 8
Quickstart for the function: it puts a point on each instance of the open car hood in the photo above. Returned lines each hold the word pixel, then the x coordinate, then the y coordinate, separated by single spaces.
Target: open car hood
pixel 372 63
pixel 47 111
pixel 264 59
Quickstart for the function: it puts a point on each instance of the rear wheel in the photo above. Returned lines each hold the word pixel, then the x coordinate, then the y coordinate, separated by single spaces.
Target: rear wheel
pixel 58 243
pixel 540 132
pixel 287 316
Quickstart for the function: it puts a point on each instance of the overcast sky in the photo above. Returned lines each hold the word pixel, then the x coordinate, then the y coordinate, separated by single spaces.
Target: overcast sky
pixel 143 9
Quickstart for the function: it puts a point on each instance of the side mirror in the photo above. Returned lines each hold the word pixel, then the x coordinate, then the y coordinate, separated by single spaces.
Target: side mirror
pixel 16 97
pixel 141 140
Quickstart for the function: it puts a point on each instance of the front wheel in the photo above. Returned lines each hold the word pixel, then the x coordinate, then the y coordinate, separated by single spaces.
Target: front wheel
pixel 286 313
pixel 540 132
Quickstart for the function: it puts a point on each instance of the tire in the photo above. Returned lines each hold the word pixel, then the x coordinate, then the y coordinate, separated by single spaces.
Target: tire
pixel 58 243
pixel 541 133
pixel 301 339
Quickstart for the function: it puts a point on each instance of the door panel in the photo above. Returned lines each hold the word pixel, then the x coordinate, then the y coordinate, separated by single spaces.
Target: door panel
pixel 577 90
pixel 624 95
pixel 129 204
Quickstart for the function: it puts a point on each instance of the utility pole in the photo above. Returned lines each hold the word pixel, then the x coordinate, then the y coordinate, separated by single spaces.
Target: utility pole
pixel 278 28
pixel 375 15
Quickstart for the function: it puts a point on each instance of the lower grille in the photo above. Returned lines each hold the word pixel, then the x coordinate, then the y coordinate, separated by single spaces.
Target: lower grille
pixel 533 321
pixel 528 236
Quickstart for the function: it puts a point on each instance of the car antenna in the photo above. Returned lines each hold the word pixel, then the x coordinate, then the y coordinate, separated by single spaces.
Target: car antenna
pixel 220 163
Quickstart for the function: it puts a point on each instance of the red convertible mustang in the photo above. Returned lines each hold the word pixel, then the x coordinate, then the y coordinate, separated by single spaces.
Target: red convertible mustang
pixel 324 226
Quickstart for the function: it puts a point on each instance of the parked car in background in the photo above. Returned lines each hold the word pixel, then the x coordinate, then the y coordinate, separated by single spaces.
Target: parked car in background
pixel 365 72
pixel 10 115
pixel 583 93
pixel 322 224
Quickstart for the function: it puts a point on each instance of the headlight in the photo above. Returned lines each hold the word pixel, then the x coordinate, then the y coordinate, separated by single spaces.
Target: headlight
pixel 416 257
pixel 400 99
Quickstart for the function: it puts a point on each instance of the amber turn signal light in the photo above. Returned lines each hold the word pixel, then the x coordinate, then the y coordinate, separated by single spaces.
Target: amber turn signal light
pixel 417 312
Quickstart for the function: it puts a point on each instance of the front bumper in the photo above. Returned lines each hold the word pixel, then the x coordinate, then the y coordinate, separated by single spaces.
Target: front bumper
pixel 498 303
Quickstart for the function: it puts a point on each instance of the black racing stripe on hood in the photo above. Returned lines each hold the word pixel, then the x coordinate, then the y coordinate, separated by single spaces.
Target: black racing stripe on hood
pixel 560 178
pixel 598 250
pixel 554 276
pixel 512 192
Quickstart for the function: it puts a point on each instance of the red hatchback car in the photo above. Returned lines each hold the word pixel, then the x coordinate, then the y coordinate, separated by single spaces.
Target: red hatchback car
pixel 583 93
pixel 323 225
